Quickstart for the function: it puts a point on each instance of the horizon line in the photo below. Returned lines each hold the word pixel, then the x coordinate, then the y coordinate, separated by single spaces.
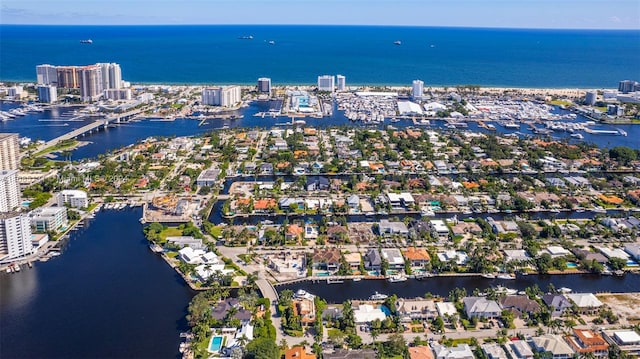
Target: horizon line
pixel 334 25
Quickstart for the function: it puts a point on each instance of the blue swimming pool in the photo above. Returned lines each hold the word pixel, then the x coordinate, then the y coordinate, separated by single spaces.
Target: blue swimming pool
pixel 385 310
pixel 572 265
pixel 323 274
pixel 216 343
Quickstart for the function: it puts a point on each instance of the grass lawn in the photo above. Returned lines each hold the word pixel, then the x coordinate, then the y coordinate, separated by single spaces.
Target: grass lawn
pixel 216 231
pixel 170 232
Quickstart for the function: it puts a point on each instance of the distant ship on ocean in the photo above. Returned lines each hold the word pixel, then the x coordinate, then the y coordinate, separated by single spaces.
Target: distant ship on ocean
pixel 248 37
pixel 397 42
pixel 87 41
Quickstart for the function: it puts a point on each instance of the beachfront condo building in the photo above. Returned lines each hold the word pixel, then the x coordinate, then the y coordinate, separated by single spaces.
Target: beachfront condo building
pixel 15 236
pixel 264 85
pixel 46 75
pixel 590 98
pixel 341 82
pixel 627 86
pixel 226 96
pixel 68 77
pixel 417 89
pixel 47 93
pixel 111 75
pixel 326 83
pixel 9 190
pixel 9 151
pixel 90 78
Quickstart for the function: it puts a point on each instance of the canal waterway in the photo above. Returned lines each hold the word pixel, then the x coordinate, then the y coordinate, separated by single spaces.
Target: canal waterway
pixel 106 296
pixel 581 283
pixel 50 124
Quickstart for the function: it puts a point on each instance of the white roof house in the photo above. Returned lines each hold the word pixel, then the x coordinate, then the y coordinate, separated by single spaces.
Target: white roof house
pixel 459 257
pixel 627 337
pixel 516 255
pixel 481 307
pixel 557 251
pixel 614 253
pixel 553 344
pixel 584 300
pixel 446 308
pixel 633 250
pixel 190 255
pixel 367 313
pixel 460 351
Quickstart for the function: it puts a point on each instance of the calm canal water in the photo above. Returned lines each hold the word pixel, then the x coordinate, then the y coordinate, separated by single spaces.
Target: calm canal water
pixel 580 283
pixel 106 296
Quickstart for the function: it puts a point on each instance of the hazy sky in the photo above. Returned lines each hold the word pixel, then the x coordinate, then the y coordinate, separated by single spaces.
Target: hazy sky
pixel 591 14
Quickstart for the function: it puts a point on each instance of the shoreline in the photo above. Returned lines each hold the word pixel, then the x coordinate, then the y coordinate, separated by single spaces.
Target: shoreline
pixel 355 86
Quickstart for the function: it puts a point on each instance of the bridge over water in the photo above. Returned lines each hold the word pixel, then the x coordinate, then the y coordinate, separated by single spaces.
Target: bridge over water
pixel 94 126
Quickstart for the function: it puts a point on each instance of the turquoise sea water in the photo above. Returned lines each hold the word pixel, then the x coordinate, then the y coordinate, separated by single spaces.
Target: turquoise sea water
pixel 364 54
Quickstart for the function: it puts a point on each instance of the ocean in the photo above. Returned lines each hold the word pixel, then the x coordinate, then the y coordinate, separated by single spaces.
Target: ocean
pixel 364 54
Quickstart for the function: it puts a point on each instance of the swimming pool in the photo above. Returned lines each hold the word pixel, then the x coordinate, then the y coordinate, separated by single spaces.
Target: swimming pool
pixel 572 265
pixel 385 310
pixel 323 274
pixel 216 343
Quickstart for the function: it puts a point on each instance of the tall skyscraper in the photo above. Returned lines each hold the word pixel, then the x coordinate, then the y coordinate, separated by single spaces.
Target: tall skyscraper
pixel 326 83
pixel 46 75
pixel 417 89
pixel 15 235
pixel 264 85
pixel 68 77
pixel 47 94
pixel 341 82
pixel 222 96
pixel 90 78
pixel 111 75
pixel 590 98
pixel 9 151
pixel 9 190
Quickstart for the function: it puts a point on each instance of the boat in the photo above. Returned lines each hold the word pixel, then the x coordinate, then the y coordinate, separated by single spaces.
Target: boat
pixel 504 290
pixel 619 273
pixel 394 120
pixel 378 296
pixel 396 278
pixel 506 276
pixel 491 127
pixel 357 279
pixel 554 210
pixel 271 42
pixel 599 210
pixel 565 290
pixel 54 253
pixel 488 276
pixel 397 42
pixel 511 125
pixel 155 248
pixel 300 122
pixel 427 212
pixel 248 37
pixel 577 135
pixel 334 281
pixel 87 41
